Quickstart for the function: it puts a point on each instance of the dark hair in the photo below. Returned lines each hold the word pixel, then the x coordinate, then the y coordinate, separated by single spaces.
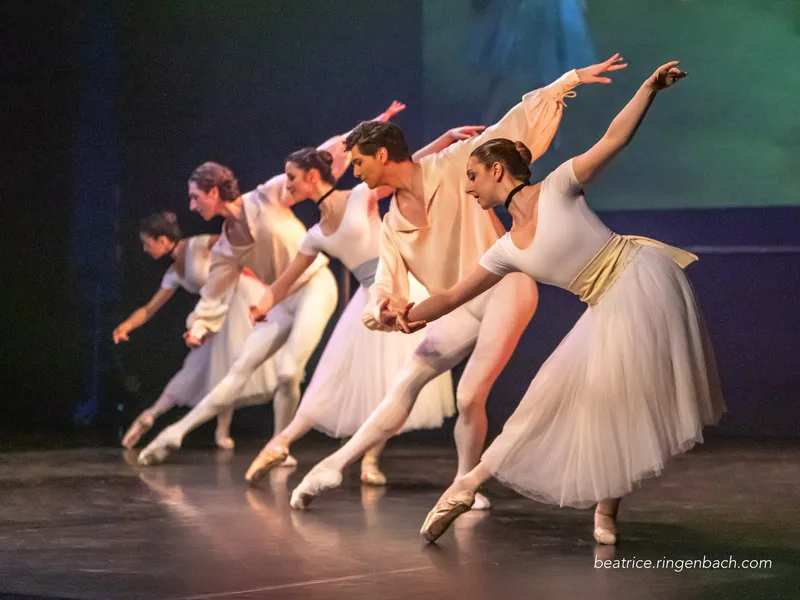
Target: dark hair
pixel 212 175
pixel 311 158
pixel 514 156
pixel 161 223
pixel 371 136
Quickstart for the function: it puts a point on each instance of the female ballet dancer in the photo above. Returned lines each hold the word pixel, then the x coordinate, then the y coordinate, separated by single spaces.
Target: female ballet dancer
pixel 160 235
pixel 435 233
pixel 635 380
pixel 262 234
pixel 358 365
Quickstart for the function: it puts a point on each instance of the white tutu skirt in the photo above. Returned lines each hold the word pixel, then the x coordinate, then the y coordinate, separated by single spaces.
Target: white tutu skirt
pixel 356 370
pixel 632 384
pixel 205 366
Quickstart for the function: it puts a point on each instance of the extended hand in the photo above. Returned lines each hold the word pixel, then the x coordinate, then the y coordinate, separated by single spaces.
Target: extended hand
pixel 394 108
pixel 465 132
pixel 592 73
pixel 387 316
pixel 666 75
pixel 120 334
pixel 258 314
pixel 403 324
pixel 192 341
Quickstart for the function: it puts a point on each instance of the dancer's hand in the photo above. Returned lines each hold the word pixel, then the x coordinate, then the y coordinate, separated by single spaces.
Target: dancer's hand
pixel 404 325
pixel 592 73
pixel 192 341
pixel 465 132
pixel 121 332
pixel 258 312
pixel 665 76
pixel 394 108
pixel 387 316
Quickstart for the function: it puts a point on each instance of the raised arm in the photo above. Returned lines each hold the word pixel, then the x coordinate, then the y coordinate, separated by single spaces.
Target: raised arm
pixel 447 139
pixel 209 313
pixel 624 126
pixel 535 120
pixel 445 302
pixel 142 314
pixel 389 294
pixel 277 292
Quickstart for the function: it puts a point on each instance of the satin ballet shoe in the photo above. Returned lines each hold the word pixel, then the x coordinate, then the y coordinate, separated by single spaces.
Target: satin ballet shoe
pixel 224 442
pixel 318 480
pixel 269 458
pixel 160 448
pixel 372 475
pixel 142 424
pixel 606 535
pixel 444 513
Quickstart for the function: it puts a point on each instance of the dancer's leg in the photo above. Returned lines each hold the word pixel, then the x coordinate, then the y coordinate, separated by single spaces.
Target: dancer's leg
pixel 145 420
pixel 447 342
pixel 263 342
pixel 506 314
pixel 311 307
pixel 371 473
pixel 605 521
pixel 222 435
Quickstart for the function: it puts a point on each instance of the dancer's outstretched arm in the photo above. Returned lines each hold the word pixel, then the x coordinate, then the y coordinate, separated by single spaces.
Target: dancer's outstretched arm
pixel 278 291
pixel 414 318
pixel 535 120
pixel 624 126
pixel 142 314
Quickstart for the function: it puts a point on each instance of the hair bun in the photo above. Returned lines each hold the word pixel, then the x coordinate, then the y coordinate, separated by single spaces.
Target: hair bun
pixel 326 157
pixel 169 217
pixel 524 152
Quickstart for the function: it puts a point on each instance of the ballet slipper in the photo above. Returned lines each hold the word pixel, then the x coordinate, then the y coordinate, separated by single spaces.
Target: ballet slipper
pixel 269 458
pixel 224 442
pixel 606 533
pixel 444 513
pixel 481 502
pixel 319 479
pixel 160 448
pixel 142 424
pixel 372 475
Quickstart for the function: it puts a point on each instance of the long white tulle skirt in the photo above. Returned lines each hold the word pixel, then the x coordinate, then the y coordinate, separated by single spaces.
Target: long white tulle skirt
pixel 356 370
pixel 205 366
pixel 631 385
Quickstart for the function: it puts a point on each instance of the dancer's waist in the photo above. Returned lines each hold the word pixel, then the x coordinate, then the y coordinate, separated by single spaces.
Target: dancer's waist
pixel 605 268
pixel 365 272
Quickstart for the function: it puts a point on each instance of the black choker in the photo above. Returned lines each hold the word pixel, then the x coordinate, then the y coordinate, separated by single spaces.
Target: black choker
pixel 513 193
pixel 321 200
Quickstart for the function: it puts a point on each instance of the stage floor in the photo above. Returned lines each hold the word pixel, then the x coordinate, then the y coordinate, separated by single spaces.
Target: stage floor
pixel 82 523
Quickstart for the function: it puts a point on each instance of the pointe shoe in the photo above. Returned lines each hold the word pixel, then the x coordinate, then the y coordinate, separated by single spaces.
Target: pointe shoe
pixel 481 502
pixel 160 448
pixel 290 461
pixel 269 458
pixel 444 513
pixel 142 424
pixel 224 442
pixel 606 535
pixel 372 475
pixel 318 480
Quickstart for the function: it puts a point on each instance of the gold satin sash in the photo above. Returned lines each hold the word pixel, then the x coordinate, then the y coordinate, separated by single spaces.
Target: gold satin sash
pixel 596 277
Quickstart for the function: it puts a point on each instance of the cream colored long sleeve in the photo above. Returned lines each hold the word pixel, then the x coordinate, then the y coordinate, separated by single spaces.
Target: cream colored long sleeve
pixel 458 231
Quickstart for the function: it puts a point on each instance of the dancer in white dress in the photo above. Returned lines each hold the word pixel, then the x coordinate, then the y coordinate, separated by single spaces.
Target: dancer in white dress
pixel 203 367
pixel 358 365
pixel 261 233
pixel 635 380
pixel 433 232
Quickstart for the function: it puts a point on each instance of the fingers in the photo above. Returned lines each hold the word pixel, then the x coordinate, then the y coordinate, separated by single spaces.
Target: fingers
pixel 601 80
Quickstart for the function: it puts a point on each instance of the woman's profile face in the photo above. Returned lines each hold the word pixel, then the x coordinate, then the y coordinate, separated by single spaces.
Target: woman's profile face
pixel 480 183
pixel 155 247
